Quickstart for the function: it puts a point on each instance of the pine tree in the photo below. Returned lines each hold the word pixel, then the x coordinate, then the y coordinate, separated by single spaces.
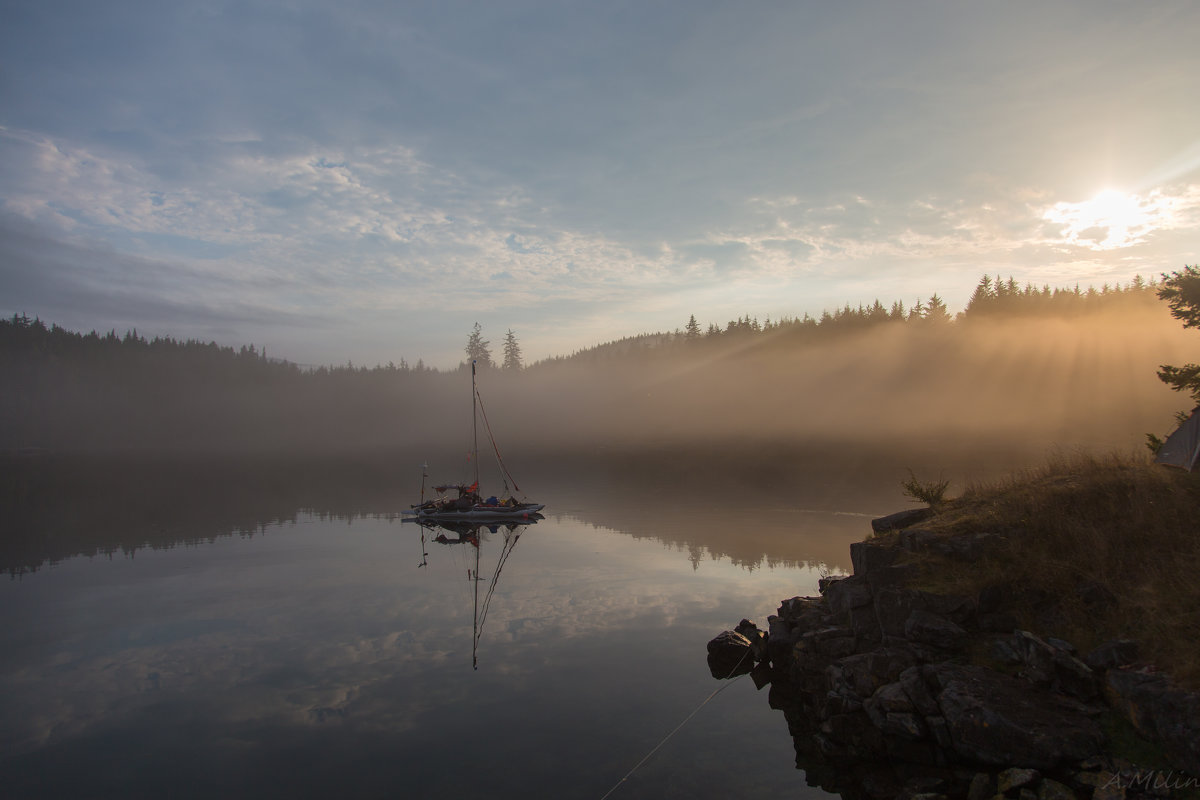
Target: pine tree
pixel 936 310
pixel 983 299
pixel 692 331
pixel 1181 290
pixel 477 348
pixel 512 352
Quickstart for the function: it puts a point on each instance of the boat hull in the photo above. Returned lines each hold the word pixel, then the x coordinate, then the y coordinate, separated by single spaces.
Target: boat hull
pixel 480 513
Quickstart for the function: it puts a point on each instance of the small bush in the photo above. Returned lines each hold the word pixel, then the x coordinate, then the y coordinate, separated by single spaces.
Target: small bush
pixel 932 493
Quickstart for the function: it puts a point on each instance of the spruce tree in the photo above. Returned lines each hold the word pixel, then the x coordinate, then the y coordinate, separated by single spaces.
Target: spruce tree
pixel 1181 290
pixel 477 348
pixel 512 352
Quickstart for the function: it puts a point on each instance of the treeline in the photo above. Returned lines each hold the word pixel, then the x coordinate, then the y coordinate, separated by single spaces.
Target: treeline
pixel 66 391
pixel 993 298
pixel 22 336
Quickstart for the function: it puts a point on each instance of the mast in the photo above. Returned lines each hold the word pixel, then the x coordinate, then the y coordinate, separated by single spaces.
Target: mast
pixel 475 621
pixel 474 428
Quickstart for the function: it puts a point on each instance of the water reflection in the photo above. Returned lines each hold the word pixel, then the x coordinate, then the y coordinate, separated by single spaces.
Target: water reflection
pixel 472 535
pixel 57 508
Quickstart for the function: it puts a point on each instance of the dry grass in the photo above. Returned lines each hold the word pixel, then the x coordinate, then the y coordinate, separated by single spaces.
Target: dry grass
pixel 1097 548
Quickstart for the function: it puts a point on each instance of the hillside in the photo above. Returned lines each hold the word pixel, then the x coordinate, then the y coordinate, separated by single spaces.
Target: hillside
pixel 1088 549
pixel 1031 367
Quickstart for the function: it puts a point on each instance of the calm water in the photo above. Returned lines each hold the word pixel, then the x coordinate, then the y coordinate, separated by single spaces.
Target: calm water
pixel 331 654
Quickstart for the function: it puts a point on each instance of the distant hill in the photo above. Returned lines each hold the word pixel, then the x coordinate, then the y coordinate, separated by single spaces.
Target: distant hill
pixel 1064 366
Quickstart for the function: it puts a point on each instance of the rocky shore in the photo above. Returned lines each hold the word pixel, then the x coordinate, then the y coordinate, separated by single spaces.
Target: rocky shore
pixel 890 691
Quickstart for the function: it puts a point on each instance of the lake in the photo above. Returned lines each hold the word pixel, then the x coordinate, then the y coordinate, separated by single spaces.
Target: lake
pixel 205 631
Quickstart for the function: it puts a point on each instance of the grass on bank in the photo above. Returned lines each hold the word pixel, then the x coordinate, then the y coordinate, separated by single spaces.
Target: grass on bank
pixel 1095 548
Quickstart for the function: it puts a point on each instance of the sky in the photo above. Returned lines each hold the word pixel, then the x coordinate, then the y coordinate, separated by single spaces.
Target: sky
pixel 363 181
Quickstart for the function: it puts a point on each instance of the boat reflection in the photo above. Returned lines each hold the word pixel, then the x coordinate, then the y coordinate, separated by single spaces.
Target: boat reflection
pixel 451 532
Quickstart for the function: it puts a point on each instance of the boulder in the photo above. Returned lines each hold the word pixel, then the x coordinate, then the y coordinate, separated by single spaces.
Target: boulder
pixel 870 555
pixel 901 519
pixel 917 691
pixel 1015 778
pixel 757 639
pixel 1053 667
pixel 997 719
pixel 846 594
pixel 893 606
pixel 982 787
pixel 1159 711
pixel 925 627
pixel 1050 789
pixel 730 654
pixel 1117 653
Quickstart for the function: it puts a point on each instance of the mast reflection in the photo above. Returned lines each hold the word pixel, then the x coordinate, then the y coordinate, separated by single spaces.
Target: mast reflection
pixel 450 532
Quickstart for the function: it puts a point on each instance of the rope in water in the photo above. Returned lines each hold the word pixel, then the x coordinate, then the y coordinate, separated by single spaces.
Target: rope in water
pixel 722 688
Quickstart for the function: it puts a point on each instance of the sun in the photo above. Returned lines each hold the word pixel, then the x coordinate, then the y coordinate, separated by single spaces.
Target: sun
pixel 1110 220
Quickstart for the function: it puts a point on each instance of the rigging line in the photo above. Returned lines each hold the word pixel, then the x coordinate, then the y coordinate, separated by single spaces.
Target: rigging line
pixel 495 447
pixel 720 689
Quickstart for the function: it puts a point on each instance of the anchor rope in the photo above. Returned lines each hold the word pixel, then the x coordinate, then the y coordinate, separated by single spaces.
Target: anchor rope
pixel 658 746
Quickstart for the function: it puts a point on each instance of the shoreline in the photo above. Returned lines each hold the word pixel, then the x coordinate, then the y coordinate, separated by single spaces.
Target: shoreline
pixel 891 690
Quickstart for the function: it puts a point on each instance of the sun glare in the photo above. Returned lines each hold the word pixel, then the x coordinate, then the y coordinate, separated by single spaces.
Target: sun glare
pixel 1110 220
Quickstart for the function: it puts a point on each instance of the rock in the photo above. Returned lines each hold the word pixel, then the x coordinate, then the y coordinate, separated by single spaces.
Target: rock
pixel 1160 712
pixel 1015 778
pixel 996 719
pixel 866 672
pixel 729 654
pixel 982 787
pixel 928 628
pixel 796 609
pixel 1061 644
pixel 1004 650
pixel 869 556
pixel 1050 666
pixel 1050 789
pixel 757 639
pixel 781 638
pixel 940 732
pixel 892 575
pixel 957 608
pixel 815 649
pixel 901 519
pixel 1117 653
pixel 893 606
pixel 902 725
pixel 918 693
pixel 855 732
pixel 1105 785
pixel 848 593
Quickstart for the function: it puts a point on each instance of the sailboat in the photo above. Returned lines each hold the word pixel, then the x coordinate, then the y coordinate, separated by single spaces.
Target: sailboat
pixel 467 504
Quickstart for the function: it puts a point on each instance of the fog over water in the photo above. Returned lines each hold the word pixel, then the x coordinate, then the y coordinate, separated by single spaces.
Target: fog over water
pixel 208 576
pixel 1029 382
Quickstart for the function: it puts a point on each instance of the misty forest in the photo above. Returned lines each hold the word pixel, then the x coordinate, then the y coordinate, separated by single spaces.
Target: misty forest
pixel 1040 366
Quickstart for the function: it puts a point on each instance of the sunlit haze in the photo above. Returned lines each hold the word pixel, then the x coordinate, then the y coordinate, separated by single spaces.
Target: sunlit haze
pixel 365 182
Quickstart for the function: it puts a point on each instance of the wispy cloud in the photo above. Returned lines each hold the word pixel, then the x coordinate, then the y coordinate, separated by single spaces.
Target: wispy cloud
pixel 414 169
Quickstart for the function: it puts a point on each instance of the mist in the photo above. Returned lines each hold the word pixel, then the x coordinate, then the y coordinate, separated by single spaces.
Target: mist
pixel 1020 384
pixel 1083 382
